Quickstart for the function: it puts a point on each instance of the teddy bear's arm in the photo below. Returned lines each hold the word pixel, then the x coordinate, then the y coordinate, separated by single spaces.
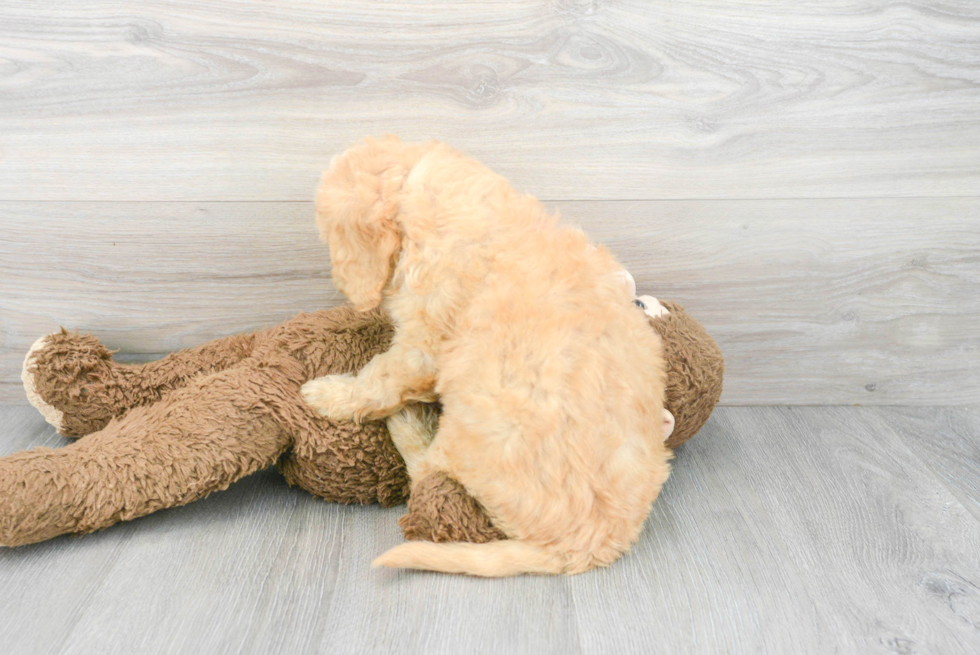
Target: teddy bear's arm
pixel 73 381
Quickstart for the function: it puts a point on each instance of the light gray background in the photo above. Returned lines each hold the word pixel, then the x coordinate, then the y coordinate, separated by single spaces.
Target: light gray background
pixel 803 176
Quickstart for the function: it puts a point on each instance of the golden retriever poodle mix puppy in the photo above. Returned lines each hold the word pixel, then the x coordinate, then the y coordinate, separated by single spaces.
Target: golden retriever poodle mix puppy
pixel 551 381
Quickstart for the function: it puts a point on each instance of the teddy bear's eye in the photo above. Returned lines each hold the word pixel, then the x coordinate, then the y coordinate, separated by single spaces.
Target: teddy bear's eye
pixel 639 303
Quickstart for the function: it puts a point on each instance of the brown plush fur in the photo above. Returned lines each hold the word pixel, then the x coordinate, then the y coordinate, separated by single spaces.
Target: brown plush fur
pixel 168 432
pixel 695 369
pixel 439 510
pixel 551 383
pixel 77 371
pixel 194 422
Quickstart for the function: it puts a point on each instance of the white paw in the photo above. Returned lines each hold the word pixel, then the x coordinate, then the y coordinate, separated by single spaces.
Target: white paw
pixel 53 416
pixel 331 396
pixel 652 307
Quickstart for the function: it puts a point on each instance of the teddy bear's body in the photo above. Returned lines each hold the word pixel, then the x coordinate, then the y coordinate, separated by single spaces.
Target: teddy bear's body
pixel 169 432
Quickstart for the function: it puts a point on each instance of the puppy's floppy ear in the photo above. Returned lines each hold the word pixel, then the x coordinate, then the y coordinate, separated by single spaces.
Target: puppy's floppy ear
pixel 357 206
pixel 362 255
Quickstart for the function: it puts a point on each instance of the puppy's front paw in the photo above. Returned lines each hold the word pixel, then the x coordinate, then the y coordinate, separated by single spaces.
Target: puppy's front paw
pixel 331 396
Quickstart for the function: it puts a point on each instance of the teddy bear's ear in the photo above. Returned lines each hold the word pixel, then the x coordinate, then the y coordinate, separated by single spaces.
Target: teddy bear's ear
pixel 668 424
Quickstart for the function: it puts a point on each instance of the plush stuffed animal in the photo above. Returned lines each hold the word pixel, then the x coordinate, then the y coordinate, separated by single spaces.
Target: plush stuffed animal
pixel 169 432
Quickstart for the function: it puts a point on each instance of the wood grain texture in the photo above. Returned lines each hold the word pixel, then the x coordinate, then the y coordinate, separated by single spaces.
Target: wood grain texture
pixel 571 99
pixel 948 441
pixel 68 571
pixel 803 530
pixel 794 530
pixel 869 301
pixel 149 278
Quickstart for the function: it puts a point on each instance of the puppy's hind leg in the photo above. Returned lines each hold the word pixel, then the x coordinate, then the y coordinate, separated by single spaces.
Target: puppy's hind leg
pixel 412 430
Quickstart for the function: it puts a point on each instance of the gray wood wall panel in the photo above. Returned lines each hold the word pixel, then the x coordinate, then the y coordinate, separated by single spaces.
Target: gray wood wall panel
pixel 572 99
pixel 803 176
pixel 781 530
pixel 830 301
pixel 738 115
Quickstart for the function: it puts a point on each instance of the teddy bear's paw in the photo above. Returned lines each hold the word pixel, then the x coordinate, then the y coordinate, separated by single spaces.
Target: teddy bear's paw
pixel 54 416
pixel 72 380
pixel 332 396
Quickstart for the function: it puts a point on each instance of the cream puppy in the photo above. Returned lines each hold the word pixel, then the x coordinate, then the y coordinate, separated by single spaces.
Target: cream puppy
pixel 551 382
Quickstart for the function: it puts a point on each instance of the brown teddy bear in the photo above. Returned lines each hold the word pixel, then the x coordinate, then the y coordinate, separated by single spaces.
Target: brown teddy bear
pixel 169 432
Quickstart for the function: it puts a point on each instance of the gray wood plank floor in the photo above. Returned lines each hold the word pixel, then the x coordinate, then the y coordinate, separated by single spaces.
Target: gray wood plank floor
pixel 803 530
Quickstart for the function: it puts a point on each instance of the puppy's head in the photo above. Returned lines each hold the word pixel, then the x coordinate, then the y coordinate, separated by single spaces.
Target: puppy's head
pixel 357 214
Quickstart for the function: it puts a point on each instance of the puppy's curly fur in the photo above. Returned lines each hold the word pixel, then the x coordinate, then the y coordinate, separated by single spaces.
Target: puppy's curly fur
pixel 551 383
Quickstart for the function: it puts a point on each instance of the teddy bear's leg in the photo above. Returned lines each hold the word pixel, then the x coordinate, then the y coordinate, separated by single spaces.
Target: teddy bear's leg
pixel 439 508
pixel 72 380
pixel 346 463
pixel 197 439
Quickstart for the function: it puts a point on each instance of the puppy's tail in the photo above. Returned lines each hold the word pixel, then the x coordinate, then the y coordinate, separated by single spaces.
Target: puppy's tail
pixel 495 559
